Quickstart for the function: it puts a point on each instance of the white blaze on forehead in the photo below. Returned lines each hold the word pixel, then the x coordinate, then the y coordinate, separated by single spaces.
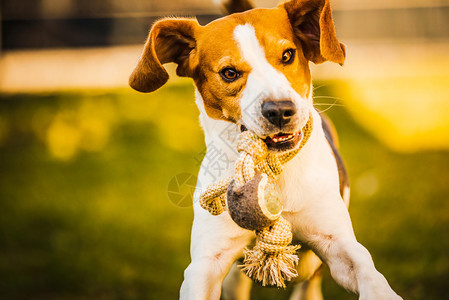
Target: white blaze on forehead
pixel 252 51
pixel 254 54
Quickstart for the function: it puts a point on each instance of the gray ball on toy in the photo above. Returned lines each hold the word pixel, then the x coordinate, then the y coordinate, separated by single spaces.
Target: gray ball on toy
pixel 256 204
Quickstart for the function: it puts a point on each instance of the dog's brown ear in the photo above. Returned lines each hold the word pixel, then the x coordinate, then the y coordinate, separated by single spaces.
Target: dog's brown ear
pixel 235 6
pixel 170 40
pixel 313 25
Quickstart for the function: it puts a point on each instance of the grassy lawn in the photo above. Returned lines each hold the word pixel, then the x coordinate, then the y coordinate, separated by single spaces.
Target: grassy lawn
pixel 85 212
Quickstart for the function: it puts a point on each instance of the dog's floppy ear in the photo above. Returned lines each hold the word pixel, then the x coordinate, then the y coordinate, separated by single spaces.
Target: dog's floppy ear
pixel 313 25
pixel 170 40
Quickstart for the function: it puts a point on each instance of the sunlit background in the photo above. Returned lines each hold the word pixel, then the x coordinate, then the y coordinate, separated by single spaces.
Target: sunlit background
pixel 88 204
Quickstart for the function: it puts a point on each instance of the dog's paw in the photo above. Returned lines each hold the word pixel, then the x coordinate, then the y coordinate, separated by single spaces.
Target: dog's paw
pixel 381 295
pixel 379 289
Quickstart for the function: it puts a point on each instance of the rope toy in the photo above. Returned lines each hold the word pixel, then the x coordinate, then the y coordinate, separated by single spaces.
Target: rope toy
pixel 253 202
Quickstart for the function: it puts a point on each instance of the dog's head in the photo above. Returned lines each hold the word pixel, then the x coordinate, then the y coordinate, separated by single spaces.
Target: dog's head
pixel 251 68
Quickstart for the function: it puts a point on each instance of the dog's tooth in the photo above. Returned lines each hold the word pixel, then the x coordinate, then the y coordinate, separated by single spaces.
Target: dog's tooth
pixel 276 139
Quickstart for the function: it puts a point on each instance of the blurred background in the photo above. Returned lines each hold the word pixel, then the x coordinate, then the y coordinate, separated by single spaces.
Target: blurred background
pixel 96 179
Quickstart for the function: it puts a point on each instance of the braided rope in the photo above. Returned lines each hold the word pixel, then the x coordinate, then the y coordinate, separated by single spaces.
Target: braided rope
pixel 213 199
pixel 272 261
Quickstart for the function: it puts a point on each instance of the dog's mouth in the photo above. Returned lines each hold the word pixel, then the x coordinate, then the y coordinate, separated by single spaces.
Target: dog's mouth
pixel 281 141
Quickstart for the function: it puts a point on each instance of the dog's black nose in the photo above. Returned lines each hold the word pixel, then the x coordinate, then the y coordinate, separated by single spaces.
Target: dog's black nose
pixel 279 113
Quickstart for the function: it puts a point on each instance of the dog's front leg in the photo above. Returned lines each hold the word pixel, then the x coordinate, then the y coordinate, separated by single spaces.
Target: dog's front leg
pixel 326 228
pixel 352 267
pixel 216 243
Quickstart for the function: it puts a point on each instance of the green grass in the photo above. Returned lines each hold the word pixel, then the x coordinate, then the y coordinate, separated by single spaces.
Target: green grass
pixel 85 212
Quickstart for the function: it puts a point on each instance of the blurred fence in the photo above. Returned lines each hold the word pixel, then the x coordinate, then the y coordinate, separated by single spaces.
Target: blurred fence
pixel 83 23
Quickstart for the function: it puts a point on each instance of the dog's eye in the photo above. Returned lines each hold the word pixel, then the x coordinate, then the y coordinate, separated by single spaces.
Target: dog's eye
pixel 288 56
pixel 229 74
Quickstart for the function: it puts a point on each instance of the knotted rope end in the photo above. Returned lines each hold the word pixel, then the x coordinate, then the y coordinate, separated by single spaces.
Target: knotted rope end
pixel 271 269
pixel 273 260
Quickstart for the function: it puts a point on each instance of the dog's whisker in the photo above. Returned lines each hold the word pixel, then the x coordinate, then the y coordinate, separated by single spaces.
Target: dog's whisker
pixel 328 97
pixel 330 105
pixel 315 88
pixel 333 104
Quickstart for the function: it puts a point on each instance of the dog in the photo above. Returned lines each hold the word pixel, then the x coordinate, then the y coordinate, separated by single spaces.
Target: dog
pixel 251 72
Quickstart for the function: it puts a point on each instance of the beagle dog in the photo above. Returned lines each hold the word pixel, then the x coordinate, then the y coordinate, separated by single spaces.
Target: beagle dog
pixel 251 72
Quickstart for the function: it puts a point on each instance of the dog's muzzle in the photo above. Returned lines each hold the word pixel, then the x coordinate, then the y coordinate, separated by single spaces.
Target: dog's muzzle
pixel 280 114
